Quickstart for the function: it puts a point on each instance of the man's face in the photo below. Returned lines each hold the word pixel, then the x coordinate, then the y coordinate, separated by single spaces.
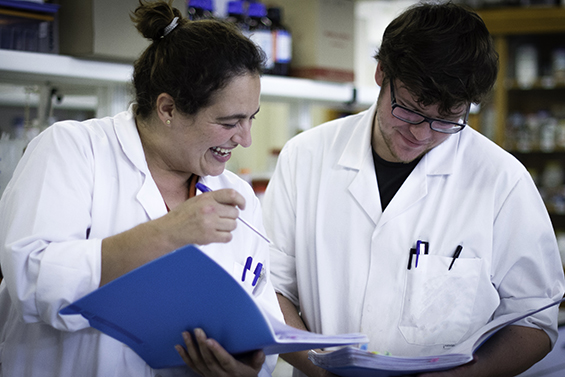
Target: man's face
pixel 395 140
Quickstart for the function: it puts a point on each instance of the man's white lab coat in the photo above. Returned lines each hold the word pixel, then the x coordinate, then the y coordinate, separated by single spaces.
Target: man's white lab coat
pixel 344 261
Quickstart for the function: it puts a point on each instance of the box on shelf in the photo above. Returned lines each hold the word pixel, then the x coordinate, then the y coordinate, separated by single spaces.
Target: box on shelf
pixel 322 38
pixel 100 29
pixel 29 26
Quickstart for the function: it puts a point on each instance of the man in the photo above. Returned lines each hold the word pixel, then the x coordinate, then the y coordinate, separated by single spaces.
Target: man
pixel 403 223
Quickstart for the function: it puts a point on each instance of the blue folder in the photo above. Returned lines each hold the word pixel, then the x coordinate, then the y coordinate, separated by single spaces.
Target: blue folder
pixel 149 308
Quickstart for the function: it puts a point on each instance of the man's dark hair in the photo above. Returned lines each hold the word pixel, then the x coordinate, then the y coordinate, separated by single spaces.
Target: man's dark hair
pixel 442 53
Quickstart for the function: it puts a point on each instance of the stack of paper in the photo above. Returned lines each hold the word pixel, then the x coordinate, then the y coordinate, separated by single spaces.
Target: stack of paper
pixel 353 362
pixel 358 363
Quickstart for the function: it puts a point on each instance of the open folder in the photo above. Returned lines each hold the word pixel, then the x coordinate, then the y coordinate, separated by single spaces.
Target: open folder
pixel 354 362
pixel 149 308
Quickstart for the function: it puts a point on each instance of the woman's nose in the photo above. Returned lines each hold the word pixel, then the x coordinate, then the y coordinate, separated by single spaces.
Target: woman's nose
pixel 243 135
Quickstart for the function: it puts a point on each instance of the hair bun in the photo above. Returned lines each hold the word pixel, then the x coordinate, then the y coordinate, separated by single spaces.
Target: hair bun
pixel 151 19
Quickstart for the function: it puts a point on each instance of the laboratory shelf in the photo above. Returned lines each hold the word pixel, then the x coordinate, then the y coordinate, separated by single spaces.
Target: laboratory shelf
pixel 82 76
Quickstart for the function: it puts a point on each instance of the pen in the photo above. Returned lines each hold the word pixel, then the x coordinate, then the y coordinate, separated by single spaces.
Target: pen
pixel 419 244
pixel 202 187
pixel 259 275
pixel 258 272
pixel 247 267
pixel 455 255
pixel 412 252
pixel 417 252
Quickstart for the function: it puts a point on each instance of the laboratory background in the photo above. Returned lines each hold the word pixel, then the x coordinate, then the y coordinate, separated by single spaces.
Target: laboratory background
pixel 72 59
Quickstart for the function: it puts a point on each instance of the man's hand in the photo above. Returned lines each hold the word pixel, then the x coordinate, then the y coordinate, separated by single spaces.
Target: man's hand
pixel 509 352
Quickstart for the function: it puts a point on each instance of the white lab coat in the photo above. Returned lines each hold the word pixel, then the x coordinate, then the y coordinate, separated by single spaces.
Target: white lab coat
pixel 344 261
pixel 77 184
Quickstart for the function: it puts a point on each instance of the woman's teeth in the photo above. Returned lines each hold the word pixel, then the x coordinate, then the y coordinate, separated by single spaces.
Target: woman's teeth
pixel 220 151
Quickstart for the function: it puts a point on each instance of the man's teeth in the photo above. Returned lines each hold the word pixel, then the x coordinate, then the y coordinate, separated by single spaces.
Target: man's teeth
pixel 221 151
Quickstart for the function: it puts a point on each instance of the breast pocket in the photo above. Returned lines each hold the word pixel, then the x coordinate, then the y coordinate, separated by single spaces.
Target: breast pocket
pixel 438 302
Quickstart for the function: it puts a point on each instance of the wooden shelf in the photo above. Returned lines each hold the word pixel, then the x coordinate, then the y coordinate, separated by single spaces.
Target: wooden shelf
pixel 527 20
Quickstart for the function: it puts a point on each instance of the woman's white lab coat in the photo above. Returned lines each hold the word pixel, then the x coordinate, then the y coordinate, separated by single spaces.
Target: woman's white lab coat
pixel 77 184
pixel 344 261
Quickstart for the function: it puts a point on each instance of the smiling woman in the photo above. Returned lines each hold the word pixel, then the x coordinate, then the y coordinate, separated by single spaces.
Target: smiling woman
pixel 115 193
pixel 178 145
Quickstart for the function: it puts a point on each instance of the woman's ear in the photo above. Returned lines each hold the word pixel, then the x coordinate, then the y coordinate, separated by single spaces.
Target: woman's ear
pixel 165 108
pixel 379 75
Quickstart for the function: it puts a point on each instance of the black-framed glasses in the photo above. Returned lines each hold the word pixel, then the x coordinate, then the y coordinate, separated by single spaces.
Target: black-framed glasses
pixel 413 117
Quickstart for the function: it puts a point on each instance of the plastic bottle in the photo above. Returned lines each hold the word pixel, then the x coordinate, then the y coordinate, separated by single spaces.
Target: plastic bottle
pixel 200 9
pixel 282 42
pixel 260 31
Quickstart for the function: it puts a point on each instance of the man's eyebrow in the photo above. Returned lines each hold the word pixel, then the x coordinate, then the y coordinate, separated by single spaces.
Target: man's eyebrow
pixel 236 116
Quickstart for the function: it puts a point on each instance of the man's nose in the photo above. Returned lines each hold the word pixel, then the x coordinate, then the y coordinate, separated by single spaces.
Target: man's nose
pixel 421 131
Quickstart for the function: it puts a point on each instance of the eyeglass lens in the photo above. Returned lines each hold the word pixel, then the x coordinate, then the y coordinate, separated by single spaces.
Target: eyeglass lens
pixel 413 117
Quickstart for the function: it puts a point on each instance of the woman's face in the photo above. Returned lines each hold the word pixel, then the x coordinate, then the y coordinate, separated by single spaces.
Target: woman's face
pixel 202 143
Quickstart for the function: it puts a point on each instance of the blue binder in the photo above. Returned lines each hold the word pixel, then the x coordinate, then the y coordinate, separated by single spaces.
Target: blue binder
pixel 149 308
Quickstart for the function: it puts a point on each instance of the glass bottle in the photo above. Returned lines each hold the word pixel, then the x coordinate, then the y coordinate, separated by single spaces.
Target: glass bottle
pixel 282 42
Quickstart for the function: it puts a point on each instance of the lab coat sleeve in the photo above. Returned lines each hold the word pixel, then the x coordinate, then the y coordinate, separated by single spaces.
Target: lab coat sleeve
pixel 527 272
pixel 47 260
pixel 279 205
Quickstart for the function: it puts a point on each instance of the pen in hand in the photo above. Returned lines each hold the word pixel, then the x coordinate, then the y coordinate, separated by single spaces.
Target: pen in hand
pixel 202 187
pixel 455 255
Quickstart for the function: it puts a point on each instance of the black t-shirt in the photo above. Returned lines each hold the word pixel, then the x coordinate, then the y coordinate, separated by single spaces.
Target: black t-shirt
pixel 390 176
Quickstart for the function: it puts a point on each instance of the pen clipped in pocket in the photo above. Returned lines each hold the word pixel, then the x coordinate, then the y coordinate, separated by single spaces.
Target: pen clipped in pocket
pixel 251 275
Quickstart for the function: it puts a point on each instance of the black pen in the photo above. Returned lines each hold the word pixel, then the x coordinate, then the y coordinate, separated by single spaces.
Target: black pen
pixel 455 255
pixel 412 252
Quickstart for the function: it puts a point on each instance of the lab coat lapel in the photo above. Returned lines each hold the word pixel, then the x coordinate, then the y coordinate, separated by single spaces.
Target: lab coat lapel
pixel 148 195
pixel 357 155
pixel 438 161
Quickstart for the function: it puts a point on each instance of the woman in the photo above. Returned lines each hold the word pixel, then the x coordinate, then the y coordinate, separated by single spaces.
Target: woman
pixel 92 200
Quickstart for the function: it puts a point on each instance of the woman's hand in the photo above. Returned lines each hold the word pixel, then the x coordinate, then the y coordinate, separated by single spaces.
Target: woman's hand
pixel 206 218
pixel 201 220
pixel 207 358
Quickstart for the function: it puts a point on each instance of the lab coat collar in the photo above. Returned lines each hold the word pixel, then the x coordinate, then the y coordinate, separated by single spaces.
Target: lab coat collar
pixel 438 161
pixel 128 137
pixel 359 143
pixel 441 159
pixel 357 155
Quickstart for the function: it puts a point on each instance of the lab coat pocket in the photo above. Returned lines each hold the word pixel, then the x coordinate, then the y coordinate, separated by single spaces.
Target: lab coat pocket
pixel 438 302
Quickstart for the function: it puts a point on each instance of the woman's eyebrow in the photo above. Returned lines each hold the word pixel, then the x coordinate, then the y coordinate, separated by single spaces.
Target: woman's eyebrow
pixel 236 116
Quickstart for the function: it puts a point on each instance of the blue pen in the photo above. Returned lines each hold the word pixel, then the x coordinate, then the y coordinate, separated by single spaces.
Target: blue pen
pixel 258 272
pixel 247 267
pixel 419 245
pixel 202 187
pixel 417 251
